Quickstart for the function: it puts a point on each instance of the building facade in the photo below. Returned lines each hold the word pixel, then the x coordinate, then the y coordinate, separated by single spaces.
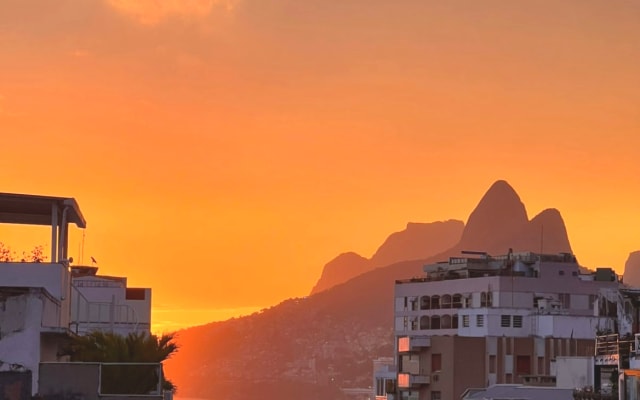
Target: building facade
pixel 106 303
pixel 45 304
pixel 477 321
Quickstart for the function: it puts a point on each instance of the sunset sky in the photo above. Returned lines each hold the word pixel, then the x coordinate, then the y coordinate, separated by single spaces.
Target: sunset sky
pixel 223 151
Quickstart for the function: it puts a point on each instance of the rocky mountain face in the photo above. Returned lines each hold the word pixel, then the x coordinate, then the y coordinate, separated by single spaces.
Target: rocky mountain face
pixel 632 269
pixel 309 348
pixel 416 241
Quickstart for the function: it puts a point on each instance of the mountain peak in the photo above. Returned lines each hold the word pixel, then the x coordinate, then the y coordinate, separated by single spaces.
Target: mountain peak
pixel 499 214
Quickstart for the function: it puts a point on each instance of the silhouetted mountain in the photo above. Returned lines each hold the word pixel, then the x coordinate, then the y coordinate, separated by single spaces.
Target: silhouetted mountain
pixel 417 241
pixel 328 340
pixel 500 222
pixel 632 270
pixel 498 217
pixel 341 269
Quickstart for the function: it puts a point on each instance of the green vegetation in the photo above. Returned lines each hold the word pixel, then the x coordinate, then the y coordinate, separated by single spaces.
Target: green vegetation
pixel 106 347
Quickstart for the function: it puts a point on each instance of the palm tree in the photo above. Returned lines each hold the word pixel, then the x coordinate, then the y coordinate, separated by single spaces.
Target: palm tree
pixel 108 347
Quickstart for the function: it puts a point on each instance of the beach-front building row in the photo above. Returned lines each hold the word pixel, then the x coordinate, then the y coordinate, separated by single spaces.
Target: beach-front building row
pixel 46 302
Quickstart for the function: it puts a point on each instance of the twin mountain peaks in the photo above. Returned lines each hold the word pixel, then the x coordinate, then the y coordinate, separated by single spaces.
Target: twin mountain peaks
pixel 498 223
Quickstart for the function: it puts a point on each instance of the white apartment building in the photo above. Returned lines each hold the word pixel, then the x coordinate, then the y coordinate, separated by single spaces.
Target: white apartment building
pixel 477 320
pixel 43 304
pixel 105 303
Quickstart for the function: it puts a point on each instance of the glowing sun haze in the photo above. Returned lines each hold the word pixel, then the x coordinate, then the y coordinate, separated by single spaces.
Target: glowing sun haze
pixel 223 151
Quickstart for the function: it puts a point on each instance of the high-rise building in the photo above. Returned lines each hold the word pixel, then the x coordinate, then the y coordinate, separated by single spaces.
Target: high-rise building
pixel 477 320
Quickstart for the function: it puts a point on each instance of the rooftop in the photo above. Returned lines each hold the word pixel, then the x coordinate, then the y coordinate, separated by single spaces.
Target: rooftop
pixel 38 210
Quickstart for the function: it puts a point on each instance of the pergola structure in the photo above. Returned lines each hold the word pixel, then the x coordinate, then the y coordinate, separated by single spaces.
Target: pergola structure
pixel 57 212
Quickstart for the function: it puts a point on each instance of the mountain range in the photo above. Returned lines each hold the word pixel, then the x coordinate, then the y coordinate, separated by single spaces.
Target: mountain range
pixel 311 347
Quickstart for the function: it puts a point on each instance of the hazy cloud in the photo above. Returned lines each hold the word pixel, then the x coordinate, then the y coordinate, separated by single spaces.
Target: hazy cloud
pixel 151 12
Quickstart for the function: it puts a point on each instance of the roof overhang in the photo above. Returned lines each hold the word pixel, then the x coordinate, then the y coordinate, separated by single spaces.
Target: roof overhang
pixel 38 210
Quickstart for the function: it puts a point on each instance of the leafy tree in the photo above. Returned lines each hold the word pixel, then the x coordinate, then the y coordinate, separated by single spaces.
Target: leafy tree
pixel 108 347
pixel 36 255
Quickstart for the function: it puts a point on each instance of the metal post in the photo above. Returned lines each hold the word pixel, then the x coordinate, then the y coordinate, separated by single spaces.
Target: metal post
pixel 54 231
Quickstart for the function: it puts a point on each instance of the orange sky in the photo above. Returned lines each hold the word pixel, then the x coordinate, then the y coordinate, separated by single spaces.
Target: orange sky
pixel 223 151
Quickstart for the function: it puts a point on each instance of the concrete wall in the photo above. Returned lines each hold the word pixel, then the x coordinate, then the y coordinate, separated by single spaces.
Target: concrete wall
pixel 573 372
pixel 20 327
pixel 69 379
pixel 50 276
pixel 62 381
pixel 15 385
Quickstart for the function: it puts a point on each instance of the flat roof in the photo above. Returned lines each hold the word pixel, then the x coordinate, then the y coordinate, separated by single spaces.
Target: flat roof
pixel 36 210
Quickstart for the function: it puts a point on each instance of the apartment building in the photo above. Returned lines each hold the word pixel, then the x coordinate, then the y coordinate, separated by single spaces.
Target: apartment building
pixel 106 303
pixel 477 320
pixel 45 303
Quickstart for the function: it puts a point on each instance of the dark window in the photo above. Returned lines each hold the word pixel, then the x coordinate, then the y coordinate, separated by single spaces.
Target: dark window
pixel 135 294
pixel 492 364
pixel 540 365
pixel 517 321
pixel 505 321
pixel 436 395
pixel 523 365
pixel 436 362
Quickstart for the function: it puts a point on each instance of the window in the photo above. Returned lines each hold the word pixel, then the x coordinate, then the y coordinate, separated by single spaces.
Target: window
pixel 436 362
pixel 454 322
pixel 523 365
pixel 425 322
pixel 517 321
pixel 435 302
pixel 445 322
pixel 540 365
pixel 479 321
pixel 465 321
pixel 414 323
pixel 380 387
pixel 486 299
pixel 457 301
pixel 445 301
pixel 425 302
pixel 505 321
pixel 435 322
pixel 492 364
pixel 436 395
pixel 561 273
pixel 565 300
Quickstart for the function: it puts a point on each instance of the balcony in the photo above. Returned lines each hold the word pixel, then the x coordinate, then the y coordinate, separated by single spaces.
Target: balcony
pixel 413 343
pixel 406 381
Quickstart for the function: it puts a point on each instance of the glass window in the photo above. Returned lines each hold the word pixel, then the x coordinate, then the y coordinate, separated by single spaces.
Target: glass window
pixel 479 321
pixel 436 362
pixel 465 321
pixel 505 321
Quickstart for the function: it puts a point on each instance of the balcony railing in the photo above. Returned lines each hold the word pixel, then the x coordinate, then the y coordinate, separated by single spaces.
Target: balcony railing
pixel 413 343
pixel 406 381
